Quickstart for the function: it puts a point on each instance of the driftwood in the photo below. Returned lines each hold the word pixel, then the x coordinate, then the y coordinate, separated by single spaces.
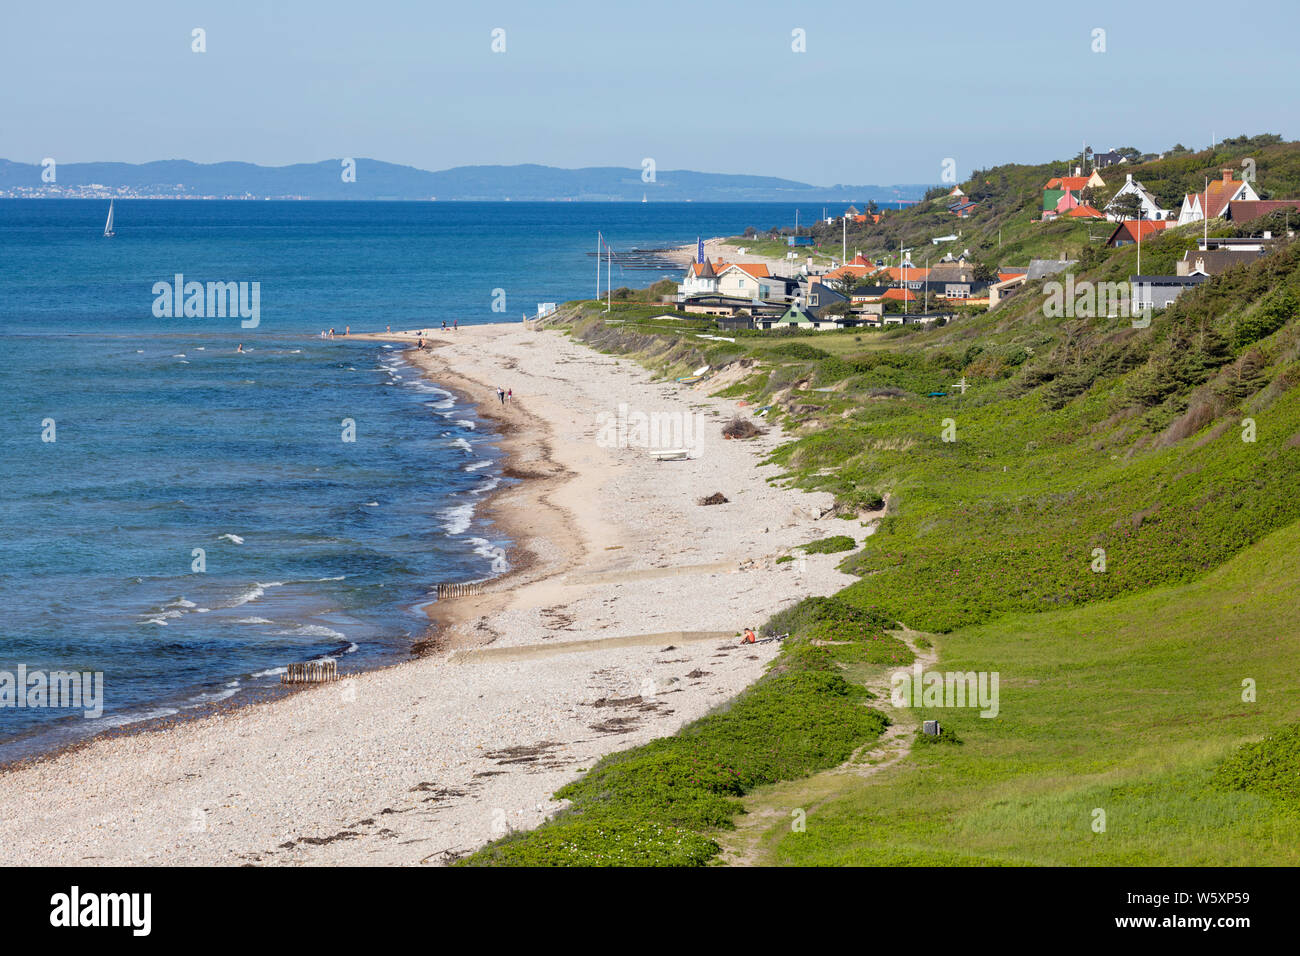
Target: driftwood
pixel 740 427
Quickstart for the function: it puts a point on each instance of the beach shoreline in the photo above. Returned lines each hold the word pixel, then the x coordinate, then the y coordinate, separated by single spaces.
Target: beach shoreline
pixel 615 624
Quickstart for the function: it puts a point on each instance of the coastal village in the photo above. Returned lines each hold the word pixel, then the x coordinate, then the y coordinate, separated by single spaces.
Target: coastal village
pixel 806 292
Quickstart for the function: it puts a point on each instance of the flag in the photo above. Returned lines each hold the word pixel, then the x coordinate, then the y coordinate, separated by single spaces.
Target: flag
pixel 699 249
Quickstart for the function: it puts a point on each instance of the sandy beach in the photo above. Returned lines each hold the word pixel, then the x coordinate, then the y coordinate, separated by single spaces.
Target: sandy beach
pixel 616 624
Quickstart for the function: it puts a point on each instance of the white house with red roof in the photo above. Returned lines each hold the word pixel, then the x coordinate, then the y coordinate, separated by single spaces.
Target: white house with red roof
pixel 1213 202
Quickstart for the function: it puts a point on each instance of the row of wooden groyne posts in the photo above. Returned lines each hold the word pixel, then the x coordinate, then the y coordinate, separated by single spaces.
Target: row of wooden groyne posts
pixel 322 671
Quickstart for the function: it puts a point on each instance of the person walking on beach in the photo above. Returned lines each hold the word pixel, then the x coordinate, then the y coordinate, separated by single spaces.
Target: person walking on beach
pixel 510 393
pixel 347 330
pixel 501 394
pixel 455 325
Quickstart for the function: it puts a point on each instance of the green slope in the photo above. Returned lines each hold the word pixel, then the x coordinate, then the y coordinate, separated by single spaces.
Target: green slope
pixel 1127 706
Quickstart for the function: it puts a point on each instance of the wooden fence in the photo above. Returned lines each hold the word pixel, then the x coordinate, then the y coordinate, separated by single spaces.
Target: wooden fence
pixel 311 672
pixel 459 590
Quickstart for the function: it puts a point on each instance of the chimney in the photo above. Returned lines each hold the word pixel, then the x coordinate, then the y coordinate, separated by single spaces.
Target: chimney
pixel 1227 175
pixel 1078 171
pixel 1128 177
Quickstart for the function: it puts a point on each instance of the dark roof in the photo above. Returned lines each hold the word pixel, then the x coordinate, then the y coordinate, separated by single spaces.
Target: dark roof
pixel 1168 280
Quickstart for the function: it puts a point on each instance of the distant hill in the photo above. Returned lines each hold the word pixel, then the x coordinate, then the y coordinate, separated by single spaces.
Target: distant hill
pixel 379 180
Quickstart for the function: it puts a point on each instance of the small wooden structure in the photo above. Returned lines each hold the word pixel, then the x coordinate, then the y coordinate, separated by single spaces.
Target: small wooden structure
pixel 459 590
pixel 311 672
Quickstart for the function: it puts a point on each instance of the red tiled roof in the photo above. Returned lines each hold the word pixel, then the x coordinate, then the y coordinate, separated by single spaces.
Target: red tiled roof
pixel 907 273
pixel 1068 182
pixel 1085 212
pixel 900 295
pixel 1128 230
pixel 756 269
pixel 1220 193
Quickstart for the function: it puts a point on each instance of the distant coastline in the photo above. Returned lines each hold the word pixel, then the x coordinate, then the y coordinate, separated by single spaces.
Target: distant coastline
pixel 369 179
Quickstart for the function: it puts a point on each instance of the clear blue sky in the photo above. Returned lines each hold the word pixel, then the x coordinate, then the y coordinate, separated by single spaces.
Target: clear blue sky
pixel 884 93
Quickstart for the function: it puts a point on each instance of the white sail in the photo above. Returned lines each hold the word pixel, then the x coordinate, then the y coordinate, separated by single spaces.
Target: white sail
pixel 108 226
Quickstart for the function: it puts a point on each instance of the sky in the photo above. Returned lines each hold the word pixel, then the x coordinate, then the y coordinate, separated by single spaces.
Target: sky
pixel 881 93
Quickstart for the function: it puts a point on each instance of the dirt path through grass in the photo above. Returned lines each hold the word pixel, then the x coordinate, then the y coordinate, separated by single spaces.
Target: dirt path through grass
pixel 772 808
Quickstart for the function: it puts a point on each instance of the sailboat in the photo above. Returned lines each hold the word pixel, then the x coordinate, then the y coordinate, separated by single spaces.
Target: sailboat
pixel 108 226
pixel 643 199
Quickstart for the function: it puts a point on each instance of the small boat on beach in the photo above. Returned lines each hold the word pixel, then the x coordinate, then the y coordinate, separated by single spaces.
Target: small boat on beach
pixel 671 454
pixel 108 226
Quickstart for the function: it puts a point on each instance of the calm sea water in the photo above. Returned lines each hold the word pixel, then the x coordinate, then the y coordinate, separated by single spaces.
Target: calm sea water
pixel 199 522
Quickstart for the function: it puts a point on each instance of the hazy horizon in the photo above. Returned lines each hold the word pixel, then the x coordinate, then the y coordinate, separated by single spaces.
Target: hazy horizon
pixel 879 95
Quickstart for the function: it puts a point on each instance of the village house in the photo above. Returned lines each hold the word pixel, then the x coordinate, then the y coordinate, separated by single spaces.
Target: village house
pixel 1248 210
pixel 1129 231
pixel 1063 193
pixel 1148 207
pixel 1213 202
pixel 1157 292
pixel 1214 262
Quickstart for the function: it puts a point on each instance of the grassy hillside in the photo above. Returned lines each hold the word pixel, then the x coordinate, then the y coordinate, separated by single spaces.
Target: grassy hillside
pixel 1107 517
pixel 1132 706
pixel 1006 229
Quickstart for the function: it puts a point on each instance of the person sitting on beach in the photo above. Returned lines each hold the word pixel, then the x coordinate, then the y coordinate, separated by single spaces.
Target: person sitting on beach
pixel 749 636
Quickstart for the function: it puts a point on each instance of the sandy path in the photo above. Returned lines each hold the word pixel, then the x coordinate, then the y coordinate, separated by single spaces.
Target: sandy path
pixel 418 762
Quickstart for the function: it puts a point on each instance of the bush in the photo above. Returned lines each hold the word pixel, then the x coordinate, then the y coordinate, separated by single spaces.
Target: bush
pixel 1270 768
pixel 647 806
pixel 831 545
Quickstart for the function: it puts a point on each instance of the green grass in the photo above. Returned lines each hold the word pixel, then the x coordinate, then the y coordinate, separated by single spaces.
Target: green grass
pixel 1131 706
pixel 658 803
pixel 831 545
pixel 1107 517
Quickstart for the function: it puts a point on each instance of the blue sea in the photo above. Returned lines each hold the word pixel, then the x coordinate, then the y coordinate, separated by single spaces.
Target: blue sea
pixel 198 521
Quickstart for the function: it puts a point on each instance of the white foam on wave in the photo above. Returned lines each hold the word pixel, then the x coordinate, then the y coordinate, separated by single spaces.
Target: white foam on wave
pixel 462 444
pixel 479 464
pixel 255 592
pixel 233 538
pixel 119 720
pixel 458 518
pixel 315 630
pixel 272 672
pixel 487 485
pixel 211 696
pixel 181 602
pixel 465 423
